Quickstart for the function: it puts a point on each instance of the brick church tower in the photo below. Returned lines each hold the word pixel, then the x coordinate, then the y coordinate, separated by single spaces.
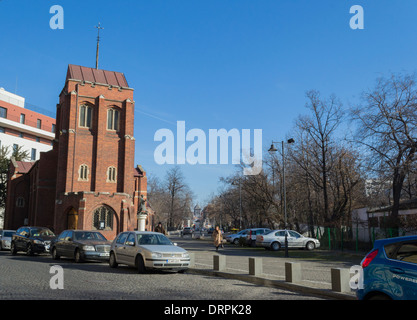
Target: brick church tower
pixel 89 181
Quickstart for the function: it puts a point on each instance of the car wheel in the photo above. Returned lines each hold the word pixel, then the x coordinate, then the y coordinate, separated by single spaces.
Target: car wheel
pixel 140 265
pixel 310 245
pixel 55 255
pixel 275 246
pixel 13 250
pixel 29 250
pixel 112 261
pixel 236 241
pixel 77 256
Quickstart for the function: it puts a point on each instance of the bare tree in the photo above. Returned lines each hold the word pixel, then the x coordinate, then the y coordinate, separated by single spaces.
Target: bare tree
pixel 179 195
pixel 320 126
pixel 387 122
pixel 171 198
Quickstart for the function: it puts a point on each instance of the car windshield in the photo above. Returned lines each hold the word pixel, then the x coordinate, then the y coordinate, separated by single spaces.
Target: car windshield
pixel 8 234
pixel 87 235
pixel 268 232
pixel 153 239
pixel 40 232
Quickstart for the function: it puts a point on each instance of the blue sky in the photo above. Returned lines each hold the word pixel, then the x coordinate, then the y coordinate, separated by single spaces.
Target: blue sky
pixel 212 63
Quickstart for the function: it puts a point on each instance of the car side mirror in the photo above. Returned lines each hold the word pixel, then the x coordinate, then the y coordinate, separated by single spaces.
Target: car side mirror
pixel 130 243
pixel 175 244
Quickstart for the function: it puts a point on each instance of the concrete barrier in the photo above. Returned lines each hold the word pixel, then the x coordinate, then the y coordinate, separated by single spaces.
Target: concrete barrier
pixel 192 260
pixel 340 279
pixel 255 266
pixel 219 263
pixel 292 272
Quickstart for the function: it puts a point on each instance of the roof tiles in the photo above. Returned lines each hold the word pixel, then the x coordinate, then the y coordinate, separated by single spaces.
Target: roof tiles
pixel 96 75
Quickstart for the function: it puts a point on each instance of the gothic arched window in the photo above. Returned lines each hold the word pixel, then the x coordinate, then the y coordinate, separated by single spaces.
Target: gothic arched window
pixel 113 116
pixel 103 218
pixel 86 113
pixel 83 172
pixel 111 174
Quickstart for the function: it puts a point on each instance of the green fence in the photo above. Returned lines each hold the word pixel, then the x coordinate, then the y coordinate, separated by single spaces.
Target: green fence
pixel 354 238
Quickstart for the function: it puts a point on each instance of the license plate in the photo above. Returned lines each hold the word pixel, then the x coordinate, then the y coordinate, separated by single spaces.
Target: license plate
pixel 172 261
pixel 105 254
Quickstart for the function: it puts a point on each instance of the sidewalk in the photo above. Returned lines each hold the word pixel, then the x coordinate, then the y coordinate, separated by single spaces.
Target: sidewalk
pixel 316 274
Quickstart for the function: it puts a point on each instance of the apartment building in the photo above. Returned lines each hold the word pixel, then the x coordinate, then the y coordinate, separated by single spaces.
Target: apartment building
pixel 19 126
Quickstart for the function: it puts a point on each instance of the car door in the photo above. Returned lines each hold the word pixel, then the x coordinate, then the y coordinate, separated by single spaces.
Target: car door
pixel 279 236
pixel 130 249
pixel 295 240
pixel 16 238
pixel 119 247
pixel 23 240
pixel 68 244
pixel 59 244
pixel 401 271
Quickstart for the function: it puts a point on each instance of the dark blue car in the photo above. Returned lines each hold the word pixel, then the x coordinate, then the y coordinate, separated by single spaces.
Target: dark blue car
pixel 390 270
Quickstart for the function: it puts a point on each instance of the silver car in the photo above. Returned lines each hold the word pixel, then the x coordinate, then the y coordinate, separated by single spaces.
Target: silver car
pixel 275 240
pixel 147 250
pixel 234 237
pixel 6 239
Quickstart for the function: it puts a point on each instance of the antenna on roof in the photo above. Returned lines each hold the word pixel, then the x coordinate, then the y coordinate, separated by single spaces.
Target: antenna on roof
pixel 98 42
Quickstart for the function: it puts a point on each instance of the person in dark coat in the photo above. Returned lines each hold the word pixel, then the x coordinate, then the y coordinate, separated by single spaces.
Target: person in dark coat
pixel 160 228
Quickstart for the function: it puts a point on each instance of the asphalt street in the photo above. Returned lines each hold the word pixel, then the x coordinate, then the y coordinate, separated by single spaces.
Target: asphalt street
pixel 29 277
pixel 316 265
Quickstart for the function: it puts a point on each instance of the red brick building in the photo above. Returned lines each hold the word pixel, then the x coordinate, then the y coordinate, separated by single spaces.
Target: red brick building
pixel 88 180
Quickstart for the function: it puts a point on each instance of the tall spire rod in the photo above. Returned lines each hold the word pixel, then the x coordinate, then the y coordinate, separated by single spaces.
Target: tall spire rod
pixel 98 42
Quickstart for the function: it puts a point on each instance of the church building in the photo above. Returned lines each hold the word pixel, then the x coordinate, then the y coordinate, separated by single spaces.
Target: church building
pixel 88 181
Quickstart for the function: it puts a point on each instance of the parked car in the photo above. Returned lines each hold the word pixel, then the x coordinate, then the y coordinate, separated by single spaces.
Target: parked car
pixel 31 240
pixel 275 240
pixel 234 237
pixel 81 245
pixel 253 233
pixel 186 230
pixel 6 239
pixel 389 270
pixel 248 234
pixel 147 250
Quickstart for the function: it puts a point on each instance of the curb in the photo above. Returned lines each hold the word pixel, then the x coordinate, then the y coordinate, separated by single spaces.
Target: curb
pixel 325 293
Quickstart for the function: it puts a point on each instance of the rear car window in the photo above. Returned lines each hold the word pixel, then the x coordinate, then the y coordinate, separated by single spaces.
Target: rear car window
pixel 406 252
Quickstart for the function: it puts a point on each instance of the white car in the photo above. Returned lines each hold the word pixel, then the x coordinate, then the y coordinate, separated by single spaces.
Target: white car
pixel 6 239
pixel 275 240
pixel 147 250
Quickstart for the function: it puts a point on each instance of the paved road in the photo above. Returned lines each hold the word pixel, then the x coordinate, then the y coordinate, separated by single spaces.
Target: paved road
pixel 315 265
pixel 23 277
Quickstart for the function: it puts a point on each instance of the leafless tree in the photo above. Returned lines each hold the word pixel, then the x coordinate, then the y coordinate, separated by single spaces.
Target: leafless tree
pixel 180 197
pixel 387 127
pixel 320 127
pixel 171 198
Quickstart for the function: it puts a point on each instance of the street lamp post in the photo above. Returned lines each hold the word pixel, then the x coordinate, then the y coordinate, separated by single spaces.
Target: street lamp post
pixel 240 202
pixel 273 150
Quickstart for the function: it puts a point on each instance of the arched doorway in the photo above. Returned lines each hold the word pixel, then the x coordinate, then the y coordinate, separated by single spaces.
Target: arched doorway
pixel 72 219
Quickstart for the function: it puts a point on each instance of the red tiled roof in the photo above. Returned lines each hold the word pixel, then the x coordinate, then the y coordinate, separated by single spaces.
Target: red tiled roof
pixel 23 166
pixel 96 75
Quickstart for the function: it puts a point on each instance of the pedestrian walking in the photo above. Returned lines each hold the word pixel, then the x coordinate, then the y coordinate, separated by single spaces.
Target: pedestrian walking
pixel 160 228
pixel 217 237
